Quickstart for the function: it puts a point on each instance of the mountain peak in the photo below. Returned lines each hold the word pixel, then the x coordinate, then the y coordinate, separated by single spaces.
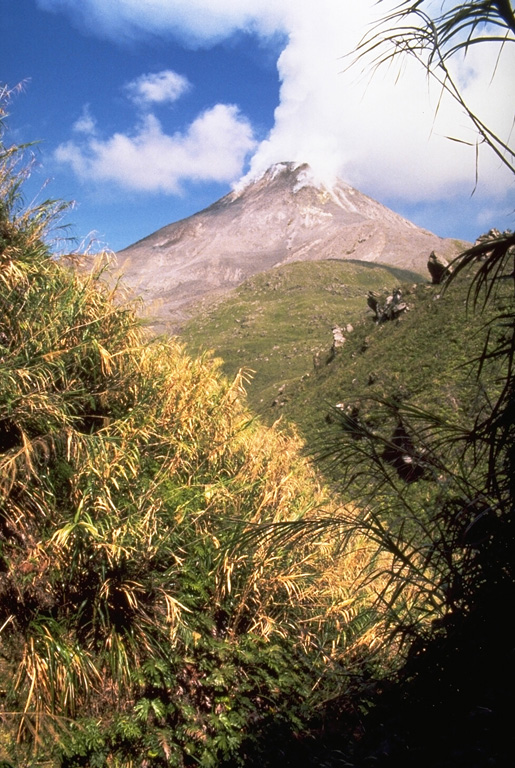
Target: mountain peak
pixel 284 215
pixel 296 175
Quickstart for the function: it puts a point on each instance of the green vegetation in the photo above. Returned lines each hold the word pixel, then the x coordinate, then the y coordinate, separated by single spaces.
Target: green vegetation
pixel 279 325
pixel 278 322
pixel 140 623
pixel 412 421
pixel 176 588
pixel 436 492
pixel 422 358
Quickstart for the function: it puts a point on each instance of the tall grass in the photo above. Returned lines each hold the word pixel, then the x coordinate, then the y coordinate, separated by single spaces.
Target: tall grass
pixel 134 625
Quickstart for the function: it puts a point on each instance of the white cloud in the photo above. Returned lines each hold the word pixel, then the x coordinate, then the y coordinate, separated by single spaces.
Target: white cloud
pixel 213 148
pixel 386 132
pixel 85 123
pixel 157 88
pixel 197 22
pixel 380 133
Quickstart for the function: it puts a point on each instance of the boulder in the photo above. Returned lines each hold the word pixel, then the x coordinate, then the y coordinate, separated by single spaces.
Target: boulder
pixel 391 309
pixel 439 268
pixel 338 337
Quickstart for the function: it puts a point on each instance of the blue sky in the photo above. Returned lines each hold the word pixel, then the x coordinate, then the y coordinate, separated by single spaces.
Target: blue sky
pixel 149 110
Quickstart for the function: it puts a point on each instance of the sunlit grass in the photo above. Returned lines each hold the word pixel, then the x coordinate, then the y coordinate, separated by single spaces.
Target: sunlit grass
pixel 138 596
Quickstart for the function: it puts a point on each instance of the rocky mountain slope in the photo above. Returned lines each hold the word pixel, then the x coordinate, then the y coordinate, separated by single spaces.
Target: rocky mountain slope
pixel 282 217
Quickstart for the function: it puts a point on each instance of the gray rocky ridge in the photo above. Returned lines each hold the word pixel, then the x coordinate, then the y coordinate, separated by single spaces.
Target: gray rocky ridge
pixel 283 216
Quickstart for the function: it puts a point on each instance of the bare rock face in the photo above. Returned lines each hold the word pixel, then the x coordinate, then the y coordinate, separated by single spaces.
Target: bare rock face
pixel 283 216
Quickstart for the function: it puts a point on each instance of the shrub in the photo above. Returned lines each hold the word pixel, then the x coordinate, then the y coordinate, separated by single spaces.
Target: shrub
pixel 139 622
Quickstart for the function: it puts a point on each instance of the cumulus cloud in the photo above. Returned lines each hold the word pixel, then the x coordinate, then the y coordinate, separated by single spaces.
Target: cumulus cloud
pixel 387 134
pixel 196 22
pixel 213 148
pixel 157 88
pixel 86 123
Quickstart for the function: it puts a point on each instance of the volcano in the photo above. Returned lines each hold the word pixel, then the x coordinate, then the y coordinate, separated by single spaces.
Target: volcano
pixel 283 216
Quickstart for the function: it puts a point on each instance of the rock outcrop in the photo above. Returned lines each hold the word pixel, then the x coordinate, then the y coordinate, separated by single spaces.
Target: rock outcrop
pixel 388 308
pixel 439 268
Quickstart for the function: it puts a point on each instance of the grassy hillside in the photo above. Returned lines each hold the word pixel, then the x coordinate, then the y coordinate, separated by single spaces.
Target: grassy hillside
pixel 276 323
pixel 423 357
pixel 412 419
pixel 279 325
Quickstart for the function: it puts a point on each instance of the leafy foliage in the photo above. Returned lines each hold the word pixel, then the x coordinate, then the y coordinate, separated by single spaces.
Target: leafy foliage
pixel 134 626
pixel 460 556
pixel 425 452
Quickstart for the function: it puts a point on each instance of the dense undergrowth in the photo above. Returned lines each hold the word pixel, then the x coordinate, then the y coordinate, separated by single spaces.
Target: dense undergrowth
pixel 139 624
pixel 418 430
pixel 413 421
pixel 421 437
pixel 176 588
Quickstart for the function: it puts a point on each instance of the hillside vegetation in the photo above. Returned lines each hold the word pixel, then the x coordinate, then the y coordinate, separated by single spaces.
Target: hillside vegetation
pixel 176 586
pixel 278 326
pixel 412 420
pixel 276 323
pixel 140 623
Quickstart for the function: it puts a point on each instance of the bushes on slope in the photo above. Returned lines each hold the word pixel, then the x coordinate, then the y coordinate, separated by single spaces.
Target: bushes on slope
pixel 134 626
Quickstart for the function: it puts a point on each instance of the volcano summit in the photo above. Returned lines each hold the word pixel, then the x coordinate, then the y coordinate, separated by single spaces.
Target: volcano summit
pixel 283 216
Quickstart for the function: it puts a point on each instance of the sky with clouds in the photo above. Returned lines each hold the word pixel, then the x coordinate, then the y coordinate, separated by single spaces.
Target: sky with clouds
pixel 150 110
